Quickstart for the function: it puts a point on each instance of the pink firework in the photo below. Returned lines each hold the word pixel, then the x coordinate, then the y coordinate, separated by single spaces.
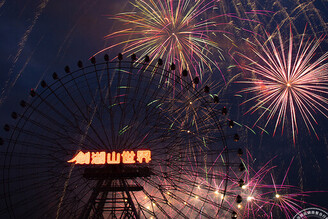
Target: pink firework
pixel 262 196
pixel 288 81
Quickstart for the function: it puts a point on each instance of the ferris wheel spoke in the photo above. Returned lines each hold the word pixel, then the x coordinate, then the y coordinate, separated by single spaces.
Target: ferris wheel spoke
pixel 80 111
pixel 102 103
pixel 55 125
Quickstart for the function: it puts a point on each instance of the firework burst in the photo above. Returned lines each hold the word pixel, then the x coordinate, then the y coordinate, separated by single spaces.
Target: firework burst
pixel 288 82
pixel 261 194
pixel 178 32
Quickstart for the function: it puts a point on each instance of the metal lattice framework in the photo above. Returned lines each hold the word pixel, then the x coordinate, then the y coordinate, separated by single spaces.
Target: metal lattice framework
pixel 117 106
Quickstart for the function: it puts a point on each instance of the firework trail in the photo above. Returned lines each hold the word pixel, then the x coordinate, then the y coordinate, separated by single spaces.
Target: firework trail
pixel 284 12
pixel 288 82
pixel 10 83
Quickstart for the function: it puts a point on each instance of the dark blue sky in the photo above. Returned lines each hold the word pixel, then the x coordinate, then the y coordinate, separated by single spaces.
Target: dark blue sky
pixel 64 32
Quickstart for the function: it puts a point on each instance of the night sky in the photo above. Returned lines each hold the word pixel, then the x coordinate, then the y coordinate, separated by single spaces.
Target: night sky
pixel 38 38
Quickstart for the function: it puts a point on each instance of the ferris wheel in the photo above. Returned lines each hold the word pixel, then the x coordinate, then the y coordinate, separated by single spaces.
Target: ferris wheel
pixel 119 139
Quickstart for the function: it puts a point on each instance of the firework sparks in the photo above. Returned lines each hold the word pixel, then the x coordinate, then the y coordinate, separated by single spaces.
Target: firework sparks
pixel 262 195
pixel 178 32
pixel 288 82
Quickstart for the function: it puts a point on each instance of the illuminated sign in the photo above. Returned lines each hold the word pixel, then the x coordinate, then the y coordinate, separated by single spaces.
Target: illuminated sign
pixel 127 157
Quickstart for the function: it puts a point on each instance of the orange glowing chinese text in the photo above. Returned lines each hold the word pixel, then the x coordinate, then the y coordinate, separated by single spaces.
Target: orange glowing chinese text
pixel 128 157
pixel 100 158
pixel 112 159
pixel 143 155
pixel 81 158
